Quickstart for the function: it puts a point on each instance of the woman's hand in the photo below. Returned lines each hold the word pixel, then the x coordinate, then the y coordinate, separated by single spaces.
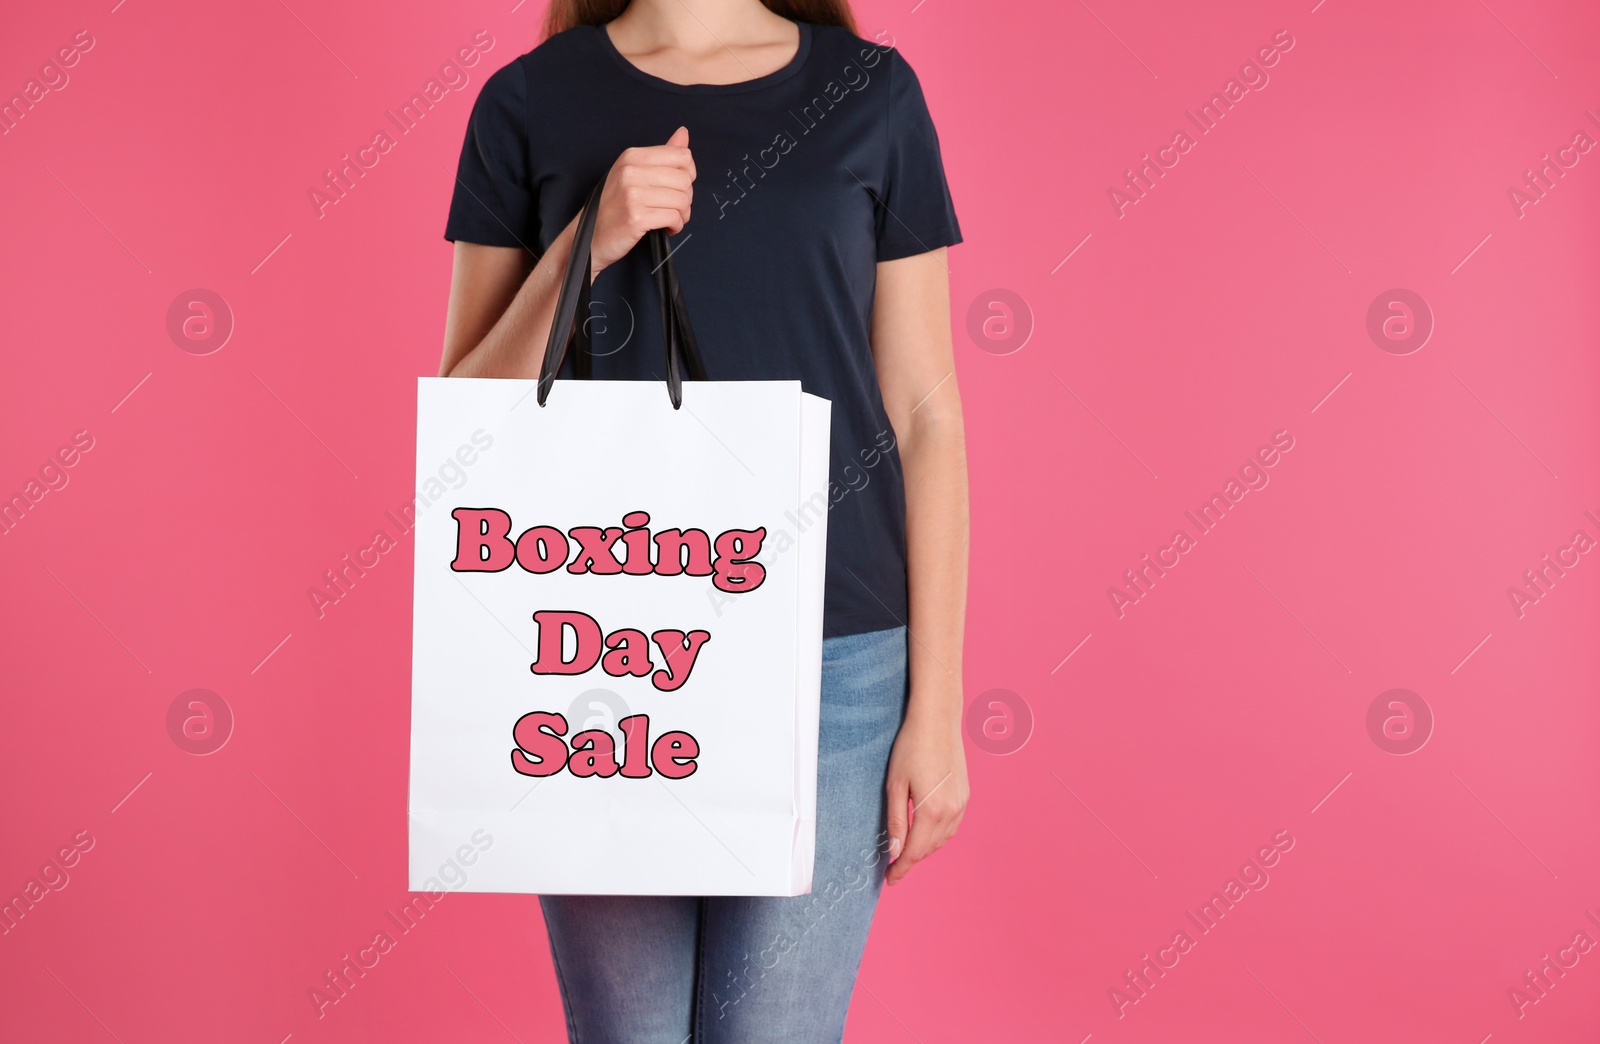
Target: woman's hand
pixel 648 188
pixel 500 313
pixel 928 776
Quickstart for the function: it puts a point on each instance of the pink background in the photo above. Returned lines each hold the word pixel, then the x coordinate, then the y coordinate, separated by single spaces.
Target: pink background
pixel 1229 704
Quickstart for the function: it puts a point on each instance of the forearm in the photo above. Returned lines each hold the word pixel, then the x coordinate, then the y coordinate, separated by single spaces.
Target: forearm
pixel 514 346
pixel 934 459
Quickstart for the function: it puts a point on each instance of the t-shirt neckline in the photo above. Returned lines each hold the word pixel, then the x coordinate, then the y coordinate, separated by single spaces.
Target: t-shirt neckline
pixel 794 65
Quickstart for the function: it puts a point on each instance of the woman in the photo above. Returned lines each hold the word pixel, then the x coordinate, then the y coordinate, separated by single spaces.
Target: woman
pixel 818 253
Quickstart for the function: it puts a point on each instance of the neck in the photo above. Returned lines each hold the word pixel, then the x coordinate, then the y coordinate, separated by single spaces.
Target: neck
pixel 695 25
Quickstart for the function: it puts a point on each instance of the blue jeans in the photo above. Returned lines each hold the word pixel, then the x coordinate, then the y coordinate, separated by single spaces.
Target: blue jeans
pixel 740 970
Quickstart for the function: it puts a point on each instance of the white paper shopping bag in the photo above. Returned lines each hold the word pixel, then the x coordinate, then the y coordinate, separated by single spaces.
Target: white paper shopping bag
pixel 618 632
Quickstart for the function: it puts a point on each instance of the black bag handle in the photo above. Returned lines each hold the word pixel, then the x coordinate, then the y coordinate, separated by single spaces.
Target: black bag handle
pixel 568 329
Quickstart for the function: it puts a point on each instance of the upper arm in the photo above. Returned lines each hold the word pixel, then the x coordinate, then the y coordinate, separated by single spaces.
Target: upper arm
pixel 916 222
pixel 911 346
pixel 483 282
pixel 493 214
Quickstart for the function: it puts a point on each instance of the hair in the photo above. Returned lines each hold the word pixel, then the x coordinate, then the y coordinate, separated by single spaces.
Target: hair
pixel 566 14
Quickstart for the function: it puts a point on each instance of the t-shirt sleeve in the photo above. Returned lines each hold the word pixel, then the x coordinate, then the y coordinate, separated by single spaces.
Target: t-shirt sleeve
pixel 493 200
pixel 914 211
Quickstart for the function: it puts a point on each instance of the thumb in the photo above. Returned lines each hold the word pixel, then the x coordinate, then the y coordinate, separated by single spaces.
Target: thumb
pixel 680 137
pixel 899 796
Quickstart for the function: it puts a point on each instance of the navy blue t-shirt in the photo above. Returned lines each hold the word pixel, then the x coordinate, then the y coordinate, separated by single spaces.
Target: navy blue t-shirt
pixel 806 178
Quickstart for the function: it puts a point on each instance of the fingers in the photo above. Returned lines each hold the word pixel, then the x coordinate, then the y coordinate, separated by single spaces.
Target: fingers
pixel 649 187
pixel 676 150
pixel 656 156
pixel 675 153
pixel 639 175
pixel 646 208
pixel 668 218
pixel 933 822
pixel 899 789
pixel 649 180
pixel 920 844
pixel 656 197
